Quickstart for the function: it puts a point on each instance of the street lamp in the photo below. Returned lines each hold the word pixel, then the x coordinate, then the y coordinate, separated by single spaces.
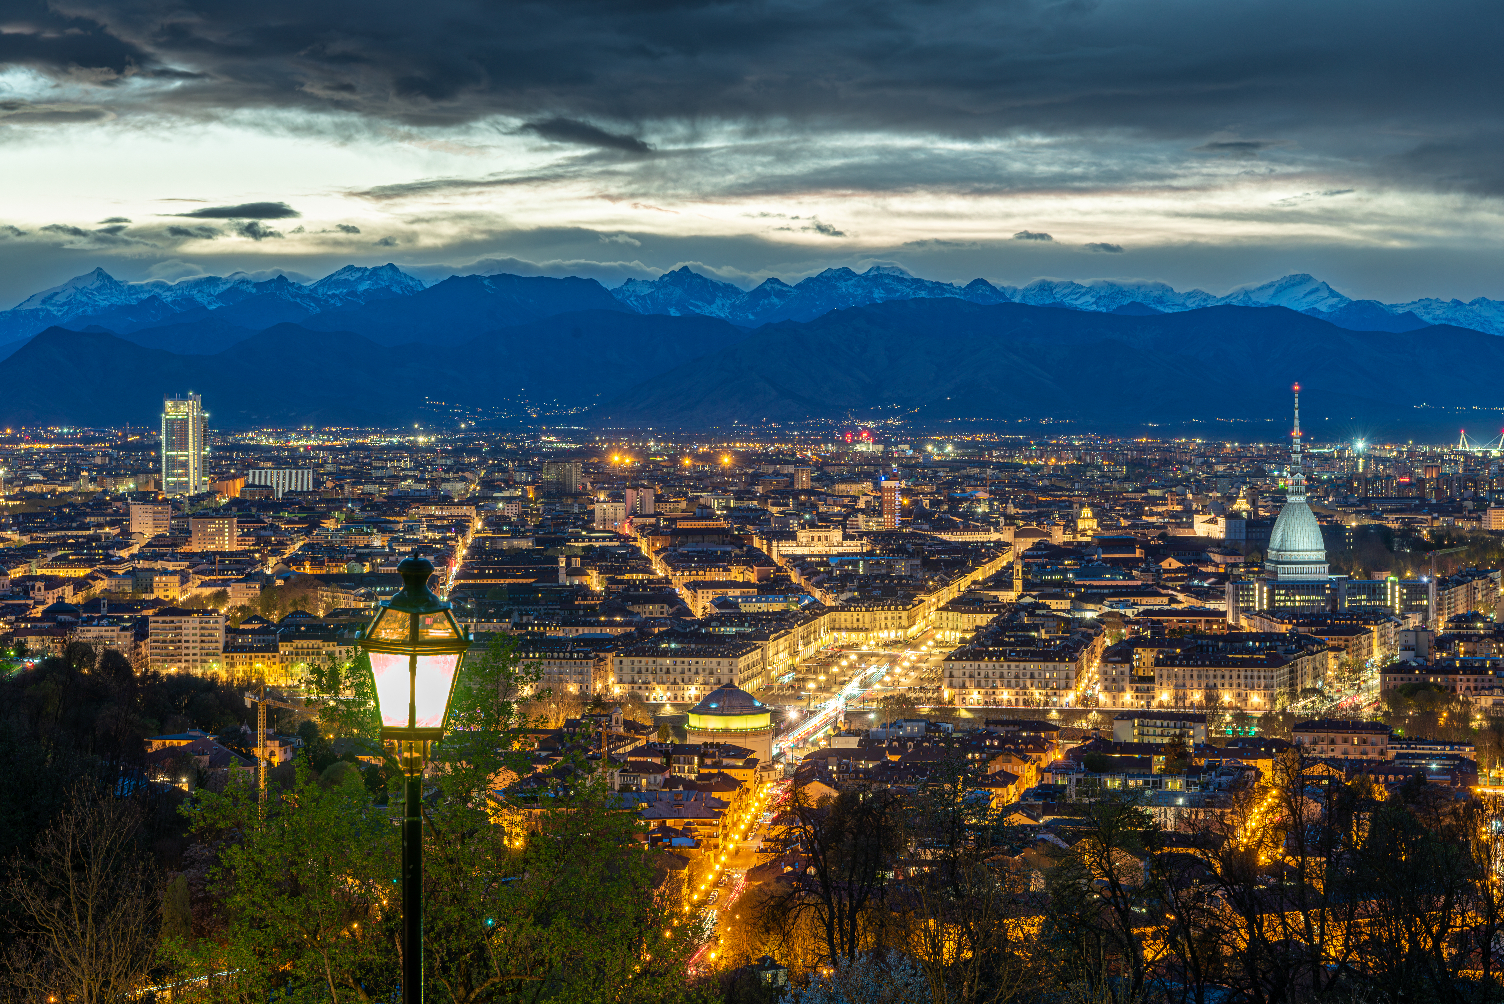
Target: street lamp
pixel 415 646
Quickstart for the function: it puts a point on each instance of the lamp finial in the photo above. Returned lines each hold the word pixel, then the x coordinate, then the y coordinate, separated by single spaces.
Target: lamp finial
pixel 415 572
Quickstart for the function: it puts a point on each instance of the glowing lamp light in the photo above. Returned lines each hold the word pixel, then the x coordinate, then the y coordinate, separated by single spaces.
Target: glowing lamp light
pixel 416 647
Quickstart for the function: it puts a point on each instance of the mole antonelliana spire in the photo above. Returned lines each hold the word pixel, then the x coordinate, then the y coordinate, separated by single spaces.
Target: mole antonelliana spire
pixel 1296 550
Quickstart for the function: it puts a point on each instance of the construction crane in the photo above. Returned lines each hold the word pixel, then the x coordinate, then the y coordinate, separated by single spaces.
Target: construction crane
pixel 607 730
pixel 259 698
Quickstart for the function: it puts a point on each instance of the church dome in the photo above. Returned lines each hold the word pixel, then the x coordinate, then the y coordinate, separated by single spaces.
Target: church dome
pixel 729 714
pixel 729 699
pixel 1296 550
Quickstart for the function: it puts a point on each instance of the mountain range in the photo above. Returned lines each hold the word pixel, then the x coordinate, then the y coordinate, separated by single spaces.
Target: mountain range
pixel 391 306
pixel 376 346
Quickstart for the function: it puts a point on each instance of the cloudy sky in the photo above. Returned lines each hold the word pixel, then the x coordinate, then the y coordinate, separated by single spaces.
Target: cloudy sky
pixel 1206 143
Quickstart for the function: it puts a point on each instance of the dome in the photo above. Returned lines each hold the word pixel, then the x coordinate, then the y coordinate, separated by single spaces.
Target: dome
pixel 729 714
pixel 1296 550
pixel 728 699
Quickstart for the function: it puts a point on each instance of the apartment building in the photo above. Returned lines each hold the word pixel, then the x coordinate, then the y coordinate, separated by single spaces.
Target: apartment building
pixel 1329 737
pixel 186 641
pixel 1052 672
pixel 684 669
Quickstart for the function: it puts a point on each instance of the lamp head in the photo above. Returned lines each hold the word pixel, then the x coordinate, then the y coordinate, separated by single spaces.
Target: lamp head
pixel 415 646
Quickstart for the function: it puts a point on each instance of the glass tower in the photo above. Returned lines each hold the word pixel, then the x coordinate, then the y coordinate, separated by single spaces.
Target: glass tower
pixel 184 437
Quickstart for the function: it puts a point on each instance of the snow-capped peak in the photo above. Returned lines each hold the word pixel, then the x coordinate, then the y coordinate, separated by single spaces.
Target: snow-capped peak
pixel 92 289
pixel 1298 292
pixel 355 283
pixel 888 270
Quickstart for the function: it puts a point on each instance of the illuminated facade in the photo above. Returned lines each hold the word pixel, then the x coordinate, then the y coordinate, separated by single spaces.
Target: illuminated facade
pixel 734 717
pixel 282 479
pixel 891 499
pixel 184 441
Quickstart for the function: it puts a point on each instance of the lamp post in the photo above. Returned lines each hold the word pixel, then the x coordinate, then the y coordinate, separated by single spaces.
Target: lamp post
pixel 415 646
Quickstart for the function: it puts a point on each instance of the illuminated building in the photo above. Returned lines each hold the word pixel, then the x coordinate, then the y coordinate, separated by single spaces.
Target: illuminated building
pixel 184 440
pixel 185 641
pixel 891 500
pixel 1296 570
pixel 562 478
pixel 151 519
pixel 1296 551
pixel 282 479
pixel 734 717
pixel 213 533
pixel 639 501
pixel 1086 522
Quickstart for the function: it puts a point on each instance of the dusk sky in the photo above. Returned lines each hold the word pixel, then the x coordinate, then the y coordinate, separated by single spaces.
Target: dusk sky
pixel 1206 143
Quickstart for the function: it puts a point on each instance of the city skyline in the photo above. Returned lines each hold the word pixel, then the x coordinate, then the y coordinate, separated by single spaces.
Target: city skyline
pixel 752 503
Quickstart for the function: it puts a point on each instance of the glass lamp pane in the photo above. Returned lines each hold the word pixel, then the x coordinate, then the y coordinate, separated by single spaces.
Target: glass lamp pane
pixel 393 686
pixel 392 625
pixel 435 678
pixel 435 627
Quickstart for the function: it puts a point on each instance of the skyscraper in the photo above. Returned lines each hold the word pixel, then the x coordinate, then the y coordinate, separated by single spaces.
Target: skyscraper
pixel 562 478
pixel 184 436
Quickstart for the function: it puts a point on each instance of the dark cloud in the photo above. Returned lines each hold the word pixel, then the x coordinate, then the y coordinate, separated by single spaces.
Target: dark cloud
pixel 1031 235
pixel 1473 164
pixel 255 231
pixel 112 236
pixel 42 37
pixel 193 233
pixel 824 229
pixel 630 76
pixel 115 219
pixel 1105 247
pixel 346 228
pixel 570 131
pixel 1236 149
pixel 387 242
pixel 6 230
pixel 245 211
pixel 15 113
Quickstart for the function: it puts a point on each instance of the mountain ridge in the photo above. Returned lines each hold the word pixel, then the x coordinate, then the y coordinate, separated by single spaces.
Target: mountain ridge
pixel 934 360
pixel 943 360
pixel 387 303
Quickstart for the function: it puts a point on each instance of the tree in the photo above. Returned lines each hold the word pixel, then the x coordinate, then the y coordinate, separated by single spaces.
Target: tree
pixel 889 978
pixel 1098 895
pixel 850 843
pixel 88 897
pixel 571 910
pixel 901 702
pixel 316 750
pixel 1177 756
pixel 306 894
pixel 964 927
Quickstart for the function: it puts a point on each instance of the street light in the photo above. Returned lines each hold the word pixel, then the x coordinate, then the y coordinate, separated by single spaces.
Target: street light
pixel 415 646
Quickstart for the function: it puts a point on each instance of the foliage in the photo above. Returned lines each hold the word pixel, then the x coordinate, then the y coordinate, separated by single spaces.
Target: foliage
pixel 1378 549
pixel 78 716
pixel 306 891
pixel 1427 710
pixel 573 910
